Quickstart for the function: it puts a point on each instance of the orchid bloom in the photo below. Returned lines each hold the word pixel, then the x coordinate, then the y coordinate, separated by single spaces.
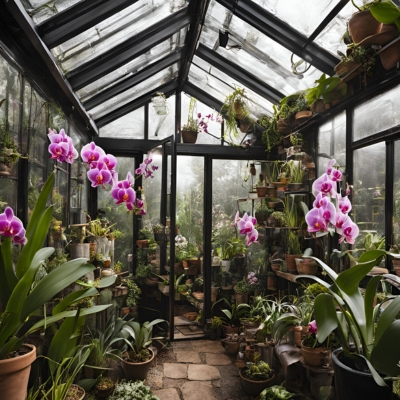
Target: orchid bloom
pixel 324 185
pixel 246 227
pixel 123 192
pixel 252 237
pixel 145 169
pixel 313 327
pixel 320 200
pixel 340 220
pixel 349 231
pixel 344 204
pixel 99 175
pixel 316 221
pixel 61 147
pixel 329 166
pixel 11 226
pixel 91 153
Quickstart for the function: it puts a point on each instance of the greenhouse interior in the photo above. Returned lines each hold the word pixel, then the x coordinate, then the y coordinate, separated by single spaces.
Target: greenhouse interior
pixel 201 199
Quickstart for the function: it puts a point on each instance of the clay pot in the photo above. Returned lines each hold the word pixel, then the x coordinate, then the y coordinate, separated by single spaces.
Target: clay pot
pixel 290 261
pixel 14 375
pixel 300 333
pixel 231 348
pixel 283 126
pixel 242 298
pixel 254 388
pixel 302 116
pixel 137 371
pixel 318 106
pixel 363 24
pixel 238 110
pixel 189 136
pixel 261 191
pixel 306 266
pixel 275 267
pixel 271 191
pixel 79 389
pixel 317 356
pixel 390 56
pixel 230 329
pixel 142 244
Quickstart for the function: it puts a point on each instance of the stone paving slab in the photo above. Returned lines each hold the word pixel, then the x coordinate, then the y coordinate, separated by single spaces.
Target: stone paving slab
pixel 217 359
pixel 199 372
pixel 207 346
pixel 167 394
pixel 175 371
pixel 197 391
pixel 190 357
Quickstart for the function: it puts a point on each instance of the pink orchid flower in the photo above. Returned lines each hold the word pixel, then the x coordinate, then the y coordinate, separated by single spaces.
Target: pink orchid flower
pixel 91 152
pixel 329 166
pixel 336 175
pixel 340 220
pixel 313 327
pixel 315 220
pixel 329 212
pixel 99 175
pixel 246 224
pixel 123 192
pixel 11 226
pixel 324 185
pixel 252 237
pixel 349 231
pixel 344 204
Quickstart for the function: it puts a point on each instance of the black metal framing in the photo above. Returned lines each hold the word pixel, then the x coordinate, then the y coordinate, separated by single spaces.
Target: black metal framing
pixel 17 10
pixel 167 89
pixel 198 10
pixel 282 33
pixel 239 73
pixel 128 50
pixel 202 96
pixel 78 18
pixel 133 80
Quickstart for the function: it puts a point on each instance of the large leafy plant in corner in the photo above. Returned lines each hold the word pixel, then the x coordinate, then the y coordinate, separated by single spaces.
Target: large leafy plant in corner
pixel 20 301
pixel 376 335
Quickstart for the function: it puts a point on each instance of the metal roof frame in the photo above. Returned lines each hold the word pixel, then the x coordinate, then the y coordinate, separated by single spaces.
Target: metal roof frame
pixel 133 80
pixel 239 73
pixel 78 18
pixel 167 89
pixel 202 96
pixel 128 50
pixel 282 33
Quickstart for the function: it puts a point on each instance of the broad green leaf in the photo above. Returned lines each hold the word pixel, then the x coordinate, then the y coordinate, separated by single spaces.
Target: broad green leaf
pixel 378 379
pixel 386 13
pixel 5 290
pixel 325 316
pixel 54 282
pixel 228 314
pixel 371 255
pixel 72 298
pixel 386 318
pixel 107 281
pixel 6 252
pixel 385 355
pixel 369 297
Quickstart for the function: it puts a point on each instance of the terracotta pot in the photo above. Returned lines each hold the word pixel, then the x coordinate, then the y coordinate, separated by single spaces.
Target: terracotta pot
pixel 244 126
pixel 231 348
pixel 300 333
pixel 294 186
pixel 254 388
pixel 105 393
pixel 315 357
pixel 14 375
pixel 318 106
pixel 363 24
pixel 290 261
pixel 275 267
pixel 306 266
pixel 230 329
pixel 390 56
pixel 189 136
pixel 271 191
pixel 271 281
pixel 194 265
pixel 142 244
pixel 302 116
pixel 242 298
pixel 283 126
pixel 261 191
pixel 137 371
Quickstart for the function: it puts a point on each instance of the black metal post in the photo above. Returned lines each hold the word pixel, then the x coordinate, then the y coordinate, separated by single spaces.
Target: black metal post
pixel 389 198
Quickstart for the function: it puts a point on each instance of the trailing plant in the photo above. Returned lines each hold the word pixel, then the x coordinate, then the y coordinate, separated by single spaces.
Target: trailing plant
pixel 270 135
pixel 364 55
pixel 134 292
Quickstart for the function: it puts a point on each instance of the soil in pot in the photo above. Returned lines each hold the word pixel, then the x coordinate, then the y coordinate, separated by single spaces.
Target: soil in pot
pixel 75 392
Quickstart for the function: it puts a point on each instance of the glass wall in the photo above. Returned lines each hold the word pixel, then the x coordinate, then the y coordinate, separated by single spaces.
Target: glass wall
pixel 396 197
pixel 369 192
pixel 130 126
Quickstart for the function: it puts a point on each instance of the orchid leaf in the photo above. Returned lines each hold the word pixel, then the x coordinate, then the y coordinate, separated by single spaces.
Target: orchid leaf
pixel 72 298
pixel 369 297
pixel 377 378
pixel 107 281
pixel 6 253
pixel 5 290
pixel 386 318
pixel 325 316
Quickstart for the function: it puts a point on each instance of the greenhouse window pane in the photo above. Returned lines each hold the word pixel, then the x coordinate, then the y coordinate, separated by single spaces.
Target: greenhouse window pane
pixel 113 31
pixel 130 126
pixel 161 126
pixel 41 10
pixel 331 37
pixel 377 114
pixel 396 197
pixel 254 51
pixel 304 16
pixel 214 128
pixel 332 142
pixel 162 77
pixel 172 44
pixel 369 194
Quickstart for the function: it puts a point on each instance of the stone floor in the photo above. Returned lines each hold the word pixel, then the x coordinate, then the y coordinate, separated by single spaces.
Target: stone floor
pixel 195 370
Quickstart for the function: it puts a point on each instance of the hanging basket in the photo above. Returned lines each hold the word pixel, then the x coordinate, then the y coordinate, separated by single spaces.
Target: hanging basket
pixel 160 105
pixel 189 136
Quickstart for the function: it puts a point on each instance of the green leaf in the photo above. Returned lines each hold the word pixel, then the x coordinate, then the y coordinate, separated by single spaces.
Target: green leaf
pixel 386 318
pixel 6 252
pixel 369 297
pixel 54 282
pixel 72 298
pixel 325 316
pixel 5 290
pixel 378 379
pixel 107 281
pixel 387 13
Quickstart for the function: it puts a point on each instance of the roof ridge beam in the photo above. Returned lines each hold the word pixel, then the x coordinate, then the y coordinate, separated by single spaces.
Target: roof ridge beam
pixel 128 50
pixel 240 74
pixel 133 80
pixel 167 89
pixel 78 18
pixel 281 33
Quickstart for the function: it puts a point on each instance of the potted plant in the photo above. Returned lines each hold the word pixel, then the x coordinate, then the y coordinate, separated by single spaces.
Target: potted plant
pixel 262 212
pixel 77 247
pixel 144 274
pixel 195 125
pixel 104 388
pixel 232 315
pixel 132 391
pixel 235 107
pixel 133 296
pixel 143 238
pixel 137 360
pixel 231 344
pixel 242 290
pixel 192 261
pixel 160 103
pixel 273 202
pixel 20 303
pixel 159 232
pixel 296 173
pixel 261 187
pixel 198 289
pixel 253 194
pixel 239 250
pixel 255 377
pixel 278 392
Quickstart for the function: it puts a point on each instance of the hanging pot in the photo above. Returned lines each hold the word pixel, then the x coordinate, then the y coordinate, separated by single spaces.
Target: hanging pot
pixel 362 24
pixel 14 374
pixel 137 371
pixel 351 384
pixel 238 110
pixel 302 116
pixel 189 136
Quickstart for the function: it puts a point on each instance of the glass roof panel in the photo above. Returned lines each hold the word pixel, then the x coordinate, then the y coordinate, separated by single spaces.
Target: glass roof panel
pixel 113 31
pixel 259 54
pixel 174 43
pixel 162 77
pixel 130 126
pixel 331 37
pixel 40 10
pixel 219 85
pixel 304 16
